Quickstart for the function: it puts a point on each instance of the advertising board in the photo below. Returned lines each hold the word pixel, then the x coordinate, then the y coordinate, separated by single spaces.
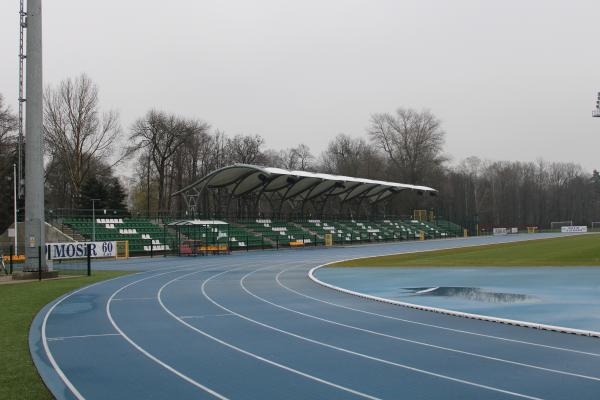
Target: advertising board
pixel 62 251
pixel 574 229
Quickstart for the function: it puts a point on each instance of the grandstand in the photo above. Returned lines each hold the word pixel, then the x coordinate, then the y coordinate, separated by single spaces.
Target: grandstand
pixel 145 235
pixel 285 219
pixel 141 234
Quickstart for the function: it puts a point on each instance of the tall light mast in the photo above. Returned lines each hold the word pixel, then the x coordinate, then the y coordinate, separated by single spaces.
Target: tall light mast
pixel 22 27
pixel 34 167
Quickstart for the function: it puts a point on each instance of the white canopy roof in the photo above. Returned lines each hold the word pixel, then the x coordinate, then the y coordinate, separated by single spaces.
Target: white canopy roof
pixel 198 222
pixel 245 178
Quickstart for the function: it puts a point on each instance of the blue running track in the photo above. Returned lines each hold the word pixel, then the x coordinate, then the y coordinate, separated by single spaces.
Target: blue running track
pixel 254 326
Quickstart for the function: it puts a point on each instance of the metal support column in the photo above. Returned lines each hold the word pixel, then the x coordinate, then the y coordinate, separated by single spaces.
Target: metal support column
pixel 34 156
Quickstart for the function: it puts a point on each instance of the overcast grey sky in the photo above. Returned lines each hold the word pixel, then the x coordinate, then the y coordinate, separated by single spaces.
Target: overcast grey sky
pixel 511 79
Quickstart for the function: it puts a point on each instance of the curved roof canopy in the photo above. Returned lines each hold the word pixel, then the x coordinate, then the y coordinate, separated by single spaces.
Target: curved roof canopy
pixel 244 179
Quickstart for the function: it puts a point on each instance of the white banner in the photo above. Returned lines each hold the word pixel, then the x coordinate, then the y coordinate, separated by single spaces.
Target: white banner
pixel 500 231
pixel 573 229
pixel 61 251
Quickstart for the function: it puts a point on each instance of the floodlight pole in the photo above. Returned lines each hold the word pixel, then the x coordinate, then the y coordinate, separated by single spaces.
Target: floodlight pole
pixel 94 219
pixel 34 156
pixel 16 251
pixel 596 112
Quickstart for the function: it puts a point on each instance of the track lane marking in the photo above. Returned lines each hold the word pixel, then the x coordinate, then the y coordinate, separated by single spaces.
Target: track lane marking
pixel 133 298
pixel 253 355
pixel 54 339
pixel 204 316
pixel 62 376
pixel 444 311
pixel 425 344
pixel 277 278
pixel 53 363
pixel 78 395
pixel 361 355
pixel 146 353
pixel 248 353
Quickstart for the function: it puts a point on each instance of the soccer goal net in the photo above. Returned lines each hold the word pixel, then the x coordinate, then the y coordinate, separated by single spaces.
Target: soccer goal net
pixel 559 224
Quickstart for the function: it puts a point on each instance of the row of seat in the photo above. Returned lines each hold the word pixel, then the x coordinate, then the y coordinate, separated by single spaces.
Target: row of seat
pixel 142 235
pixel 259 233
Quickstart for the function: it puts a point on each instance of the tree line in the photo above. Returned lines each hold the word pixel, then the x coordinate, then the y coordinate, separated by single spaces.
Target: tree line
pixel 85 144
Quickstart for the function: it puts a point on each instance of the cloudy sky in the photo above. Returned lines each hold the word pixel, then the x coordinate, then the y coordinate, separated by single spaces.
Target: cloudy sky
pixel 511 79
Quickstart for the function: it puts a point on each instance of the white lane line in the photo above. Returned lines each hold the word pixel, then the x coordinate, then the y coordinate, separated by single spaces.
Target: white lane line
pixel 427 290
pixel 133 298
pixel 53 362
pixel 253 355
pixel 51 359
pixel 53 339
pixel 204 316
pixel 461 314
pixel 406 340
pixel 277 278
pixel 146 353
pixel 480 317
pixel 366 356
pixel 45 345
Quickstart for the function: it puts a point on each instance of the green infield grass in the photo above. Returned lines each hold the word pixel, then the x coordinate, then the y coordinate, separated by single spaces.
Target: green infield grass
pixel 19 303
pixel 582 250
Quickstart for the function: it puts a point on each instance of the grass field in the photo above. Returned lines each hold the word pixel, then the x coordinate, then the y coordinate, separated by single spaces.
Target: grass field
pixel 19 303
pixel 583 250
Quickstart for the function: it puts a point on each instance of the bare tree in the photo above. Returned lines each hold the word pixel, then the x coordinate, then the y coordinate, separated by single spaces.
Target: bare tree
pixel 295 158
pixel 8 121
pixel 77 133
pixel 245 149
pixel 286 159
pixel 8 128
pixel 163 134
pixel 305 157
pixel 350 156
pixel 412 140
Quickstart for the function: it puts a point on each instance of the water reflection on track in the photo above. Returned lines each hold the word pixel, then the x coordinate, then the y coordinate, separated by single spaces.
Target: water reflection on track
pixel 471 293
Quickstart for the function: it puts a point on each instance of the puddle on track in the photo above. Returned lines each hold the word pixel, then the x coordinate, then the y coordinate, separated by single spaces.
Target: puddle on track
pixel 565 296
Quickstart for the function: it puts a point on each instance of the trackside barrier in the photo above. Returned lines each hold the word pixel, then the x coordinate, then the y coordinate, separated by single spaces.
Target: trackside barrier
pixel 89 259
pixel 122 249
pixel 214 249
pixel 524 324
pixel 40 263
pixel 11 259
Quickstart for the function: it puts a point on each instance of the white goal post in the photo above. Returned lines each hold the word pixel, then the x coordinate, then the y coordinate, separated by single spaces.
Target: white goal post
pixel 560 224
pixel 595 225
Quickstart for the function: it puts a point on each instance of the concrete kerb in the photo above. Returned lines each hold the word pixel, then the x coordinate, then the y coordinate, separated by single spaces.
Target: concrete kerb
pixel 481 317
